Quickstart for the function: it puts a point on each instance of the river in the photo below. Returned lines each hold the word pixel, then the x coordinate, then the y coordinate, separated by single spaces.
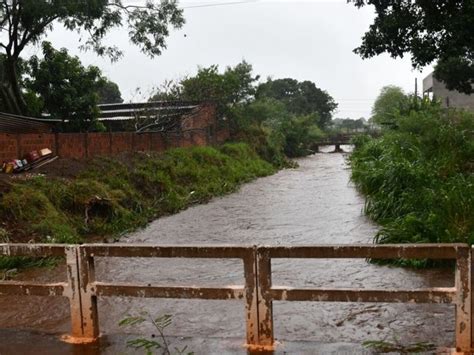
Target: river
pixel 312 204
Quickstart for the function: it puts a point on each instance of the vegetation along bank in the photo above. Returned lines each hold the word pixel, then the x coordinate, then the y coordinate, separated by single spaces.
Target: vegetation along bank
pixel 115 195
pixel 418 178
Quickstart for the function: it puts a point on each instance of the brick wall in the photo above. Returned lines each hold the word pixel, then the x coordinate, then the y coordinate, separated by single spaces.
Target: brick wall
pixel 199 129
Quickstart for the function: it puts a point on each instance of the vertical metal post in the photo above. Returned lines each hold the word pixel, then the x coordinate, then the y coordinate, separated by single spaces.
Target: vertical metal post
pixel 463 301
pixel 265 303
pixel 251 301
pixel 90 319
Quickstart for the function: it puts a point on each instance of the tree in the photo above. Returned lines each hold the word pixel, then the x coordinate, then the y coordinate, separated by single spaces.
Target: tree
pixel 109 93
pixel 234 86
pixel 59 85
pixel 429 31
pixel 26 22
pixel 300 98
pixel 390 102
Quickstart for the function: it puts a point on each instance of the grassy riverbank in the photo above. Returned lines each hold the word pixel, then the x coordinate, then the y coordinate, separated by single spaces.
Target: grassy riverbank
pixel 418 178
pixel 116 195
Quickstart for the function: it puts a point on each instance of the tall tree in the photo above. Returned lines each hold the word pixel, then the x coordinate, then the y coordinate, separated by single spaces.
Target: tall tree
pixel 429 31
pixel 25 22
pixel 109 93
pixel 390 102
pixel 233 86
pixel 59 85
pixel 300 98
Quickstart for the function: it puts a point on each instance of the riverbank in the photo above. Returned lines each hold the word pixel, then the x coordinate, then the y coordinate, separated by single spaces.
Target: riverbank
pixel 312 204
pixel 113 196
pixel 418 178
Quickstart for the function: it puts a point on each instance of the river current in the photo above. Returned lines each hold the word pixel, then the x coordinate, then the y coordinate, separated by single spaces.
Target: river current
pixel 312 204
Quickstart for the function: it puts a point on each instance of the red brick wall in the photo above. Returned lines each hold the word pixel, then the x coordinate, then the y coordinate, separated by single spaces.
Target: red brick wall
pixel 71 145
pixel 8 146
pixel 196 129
pixel 32 141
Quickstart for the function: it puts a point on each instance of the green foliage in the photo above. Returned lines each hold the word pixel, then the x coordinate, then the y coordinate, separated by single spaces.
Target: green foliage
pixel 28 21
pixel 347 125
pixel 389 104
pixel 160 324
pixel 300 98
pixel 419 178
pixel 232 87
pixel 112 198
pixel 428 31
pixel 66 89
pixel 109 92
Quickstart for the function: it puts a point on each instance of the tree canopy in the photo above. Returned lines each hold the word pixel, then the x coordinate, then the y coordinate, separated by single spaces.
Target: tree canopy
pixel 60 86
pixel 26 22
pixel 390 102
pixel 234 85
pixel 300 98
pixel 109 93
pixel 429 31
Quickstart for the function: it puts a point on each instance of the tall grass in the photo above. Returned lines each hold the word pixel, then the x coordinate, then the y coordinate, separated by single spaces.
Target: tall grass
pixel 418 179
pixel 115 196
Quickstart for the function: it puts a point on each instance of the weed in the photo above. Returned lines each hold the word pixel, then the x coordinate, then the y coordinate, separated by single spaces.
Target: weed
pixel 160 324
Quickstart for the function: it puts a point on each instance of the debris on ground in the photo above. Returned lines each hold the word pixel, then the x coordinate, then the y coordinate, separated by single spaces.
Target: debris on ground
pixel 32 160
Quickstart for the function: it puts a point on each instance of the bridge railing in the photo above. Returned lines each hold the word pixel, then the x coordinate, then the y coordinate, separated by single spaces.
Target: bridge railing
pixel 258 292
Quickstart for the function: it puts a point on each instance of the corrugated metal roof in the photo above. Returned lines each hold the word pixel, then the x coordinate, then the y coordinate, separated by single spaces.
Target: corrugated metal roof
pixel 20 124
pixel 115 112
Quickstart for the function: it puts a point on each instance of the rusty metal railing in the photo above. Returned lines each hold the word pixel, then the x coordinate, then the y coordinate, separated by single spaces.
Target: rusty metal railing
pixel 258 292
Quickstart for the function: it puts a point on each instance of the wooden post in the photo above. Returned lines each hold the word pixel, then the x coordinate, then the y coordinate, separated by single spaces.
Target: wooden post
pixel 251 301
pixel 265 303
pixel 463 300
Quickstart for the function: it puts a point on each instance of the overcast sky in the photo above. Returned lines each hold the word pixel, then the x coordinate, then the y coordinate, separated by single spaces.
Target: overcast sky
pixel 305 40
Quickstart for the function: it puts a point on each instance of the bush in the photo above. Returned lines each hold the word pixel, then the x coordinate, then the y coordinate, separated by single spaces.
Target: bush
pixel 419 178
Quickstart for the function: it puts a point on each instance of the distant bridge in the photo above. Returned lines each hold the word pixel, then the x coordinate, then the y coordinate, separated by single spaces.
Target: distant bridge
pixel 338 140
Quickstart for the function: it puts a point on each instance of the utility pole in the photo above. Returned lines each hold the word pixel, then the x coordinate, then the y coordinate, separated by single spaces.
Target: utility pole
pixel 416 88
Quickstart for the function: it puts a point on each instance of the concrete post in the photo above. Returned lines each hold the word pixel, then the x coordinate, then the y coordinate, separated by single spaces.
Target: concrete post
pixel 463 300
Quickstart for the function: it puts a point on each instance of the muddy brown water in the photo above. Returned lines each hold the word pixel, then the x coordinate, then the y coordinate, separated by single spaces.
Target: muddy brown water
pixel 313 204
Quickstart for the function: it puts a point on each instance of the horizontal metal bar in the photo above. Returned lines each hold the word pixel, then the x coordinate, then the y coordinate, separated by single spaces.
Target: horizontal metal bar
pixel 186 292
pixel 32 289
pixel 146 251
pixel 374 251
pixel 33 250
pixel 431 295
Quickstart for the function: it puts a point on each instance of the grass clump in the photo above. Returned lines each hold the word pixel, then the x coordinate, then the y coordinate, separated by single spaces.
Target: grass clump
pixel 114 196
pixel 418 178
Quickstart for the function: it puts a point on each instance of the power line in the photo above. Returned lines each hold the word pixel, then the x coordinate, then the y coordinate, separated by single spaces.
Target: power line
pixel 220 4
